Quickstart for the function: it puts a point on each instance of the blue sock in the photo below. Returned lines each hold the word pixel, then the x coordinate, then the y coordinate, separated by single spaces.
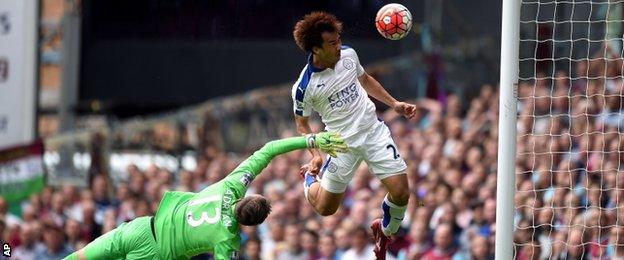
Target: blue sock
pixel 308 180
pixel 392 216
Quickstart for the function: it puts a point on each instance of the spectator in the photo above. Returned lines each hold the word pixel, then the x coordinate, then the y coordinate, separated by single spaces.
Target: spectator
pixel 252 249
pixel 273 238
pixel 419 241
pixel 57 210
pixel 479 250
pixel 90 230
pixel 310 244
pixel 443 247
pixel 531 251
pixel 615 249
pixel 8 218
pixel 186 181
pixel 343 239
pixel 54 239
pixel 293 248
pixel 361 247
pixel 328 249
pixel 576 246
pixel 30 245
pixel 72 232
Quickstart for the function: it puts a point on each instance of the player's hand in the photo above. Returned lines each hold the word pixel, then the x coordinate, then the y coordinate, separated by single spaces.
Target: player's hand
pixel 405 109
pixel 329 142
pixel 314 167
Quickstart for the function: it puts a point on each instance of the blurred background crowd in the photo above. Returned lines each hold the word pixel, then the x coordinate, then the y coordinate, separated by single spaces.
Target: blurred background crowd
pixel 568 200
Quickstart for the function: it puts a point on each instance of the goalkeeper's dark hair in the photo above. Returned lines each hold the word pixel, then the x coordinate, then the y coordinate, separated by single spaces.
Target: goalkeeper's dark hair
pixel 252 210
pixel 308 30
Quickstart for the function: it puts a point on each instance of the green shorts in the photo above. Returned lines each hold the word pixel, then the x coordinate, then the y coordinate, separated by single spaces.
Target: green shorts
pixel 132 240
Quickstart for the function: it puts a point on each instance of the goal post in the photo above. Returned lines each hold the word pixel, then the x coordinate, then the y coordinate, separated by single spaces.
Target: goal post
pixel 560 185
pixel 505 188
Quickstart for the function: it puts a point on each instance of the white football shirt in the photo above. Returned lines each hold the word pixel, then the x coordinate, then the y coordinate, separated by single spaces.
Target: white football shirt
pixel 336 95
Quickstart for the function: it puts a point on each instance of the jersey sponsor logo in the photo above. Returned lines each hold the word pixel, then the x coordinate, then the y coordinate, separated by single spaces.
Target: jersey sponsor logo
pixel 348 63
pixel 246 179
pixel 343 96
pixel 320 85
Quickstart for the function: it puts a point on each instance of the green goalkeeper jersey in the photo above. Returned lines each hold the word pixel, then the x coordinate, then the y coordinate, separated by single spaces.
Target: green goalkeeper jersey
pixel 189 224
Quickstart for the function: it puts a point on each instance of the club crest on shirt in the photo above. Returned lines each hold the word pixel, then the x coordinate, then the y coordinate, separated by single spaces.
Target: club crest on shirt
pixel 246 179
pixel 332 167
pixel 348 63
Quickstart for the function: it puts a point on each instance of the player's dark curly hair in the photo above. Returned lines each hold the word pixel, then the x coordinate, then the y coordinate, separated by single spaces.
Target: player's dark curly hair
pixel 308 30
pixel 252 210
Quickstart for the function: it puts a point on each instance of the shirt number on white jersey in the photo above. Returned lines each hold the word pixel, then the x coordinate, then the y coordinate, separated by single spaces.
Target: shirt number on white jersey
pixel 204 215
pixel 394 151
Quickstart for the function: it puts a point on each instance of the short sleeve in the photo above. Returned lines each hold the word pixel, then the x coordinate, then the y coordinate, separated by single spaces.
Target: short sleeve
pixel 301 106
pixel 360 69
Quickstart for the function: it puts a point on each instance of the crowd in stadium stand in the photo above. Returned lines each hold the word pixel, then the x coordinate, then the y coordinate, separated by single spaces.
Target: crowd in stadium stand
pixel 569 152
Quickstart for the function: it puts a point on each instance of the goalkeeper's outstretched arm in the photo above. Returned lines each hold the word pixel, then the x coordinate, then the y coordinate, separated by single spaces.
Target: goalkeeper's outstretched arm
pixel 328 142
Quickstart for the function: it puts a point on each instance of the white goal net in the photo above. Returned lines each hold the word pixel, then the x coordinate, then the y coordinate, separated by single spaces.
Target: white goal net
pixel 569 197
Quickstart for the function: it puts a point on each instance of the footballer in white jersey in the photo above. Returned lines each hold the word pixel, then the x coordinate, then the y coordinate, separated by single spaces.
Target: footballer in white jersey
pixel 334 84
pixel 336 95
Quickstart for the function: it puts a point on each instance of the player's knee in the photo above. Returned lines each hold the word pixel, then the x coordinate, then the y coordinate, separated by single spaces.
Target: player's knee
pixel 400 197
pixel 327 210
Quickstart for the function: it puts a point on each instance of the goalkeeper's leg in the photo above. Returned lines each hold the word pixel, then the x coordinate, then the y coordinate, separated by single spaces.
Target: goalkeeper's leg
pixel 132 240
pixel 107 246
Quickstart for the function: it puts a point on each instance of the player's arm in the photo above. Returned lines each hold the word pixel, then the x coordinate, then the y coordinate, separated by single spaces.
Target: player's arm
pixel 303 127
pixel 374 88
pixel 328 142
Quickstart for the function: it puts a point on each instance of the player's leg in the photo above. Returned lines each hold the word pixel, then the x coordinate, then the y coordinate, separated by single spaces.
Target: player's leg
pixel 326 196
pixel 393 207
pixel 132 240
pixel 138 240
pixel 324 202
pixel 107 246
pixel 385 162
pixel 395 202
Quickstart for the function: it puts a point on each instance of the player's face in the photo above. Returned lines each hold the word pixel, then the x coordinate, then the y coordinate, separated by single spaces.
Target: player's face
pixel 330 51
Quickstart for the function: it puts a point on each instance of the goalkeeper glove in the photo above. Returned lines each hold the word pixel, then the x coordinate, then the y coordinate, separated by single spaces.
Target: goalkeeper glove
pixel 329 142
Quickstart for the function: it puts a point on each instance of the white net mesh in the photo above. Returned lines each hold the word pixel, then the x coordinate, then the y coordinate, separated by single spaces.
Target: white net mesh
pixel 569 196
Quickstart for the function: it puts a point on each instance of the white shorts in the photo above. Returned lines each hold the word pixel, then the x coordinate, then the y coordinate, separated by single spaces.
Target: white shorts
pixel 375 147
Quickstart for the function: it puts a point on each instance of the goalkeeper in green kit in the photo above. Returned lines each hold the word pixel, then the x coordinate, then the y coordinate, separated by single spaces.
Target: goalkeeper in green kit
pixel 187 224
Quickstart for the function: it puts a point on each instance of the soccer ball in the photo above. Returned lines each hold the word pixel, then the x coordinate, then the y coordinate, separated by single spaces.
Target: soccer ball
pixel 393 21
